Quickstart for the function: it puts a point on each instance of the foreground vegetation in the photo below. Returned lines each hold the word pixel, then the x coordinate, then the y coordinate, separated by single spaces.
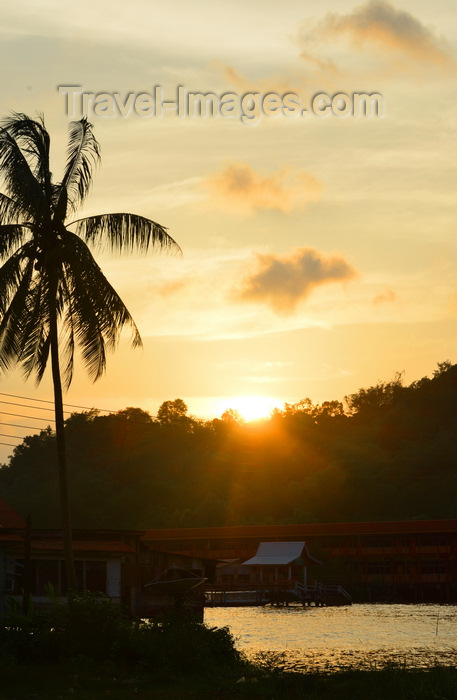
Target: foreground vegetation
pixel 87 650
pixel 88 682
pixel 389 453
pixel 92 627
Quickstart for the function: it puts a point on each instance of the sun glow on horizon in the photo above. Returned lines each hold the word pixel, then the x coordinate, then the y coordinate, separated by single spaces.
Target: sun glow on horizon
pixel 252 408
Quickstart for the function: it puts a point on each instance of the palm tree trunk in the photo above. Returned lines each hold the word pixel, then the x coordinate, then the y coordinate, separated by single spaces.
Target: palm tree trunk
pixel 61 454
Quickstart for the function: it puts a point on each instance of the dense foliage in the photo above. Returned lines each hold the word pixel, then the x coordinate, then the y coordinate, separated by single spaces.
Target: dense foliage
pixel 388 454
pixel 91 627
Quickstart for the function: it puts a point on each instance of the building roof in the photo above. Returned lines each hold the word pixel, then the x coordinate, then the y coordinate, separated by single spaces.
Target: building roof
pixel 10 537
pixel 9 519
pixel 280 554
pixel 303 530
pixel 55 545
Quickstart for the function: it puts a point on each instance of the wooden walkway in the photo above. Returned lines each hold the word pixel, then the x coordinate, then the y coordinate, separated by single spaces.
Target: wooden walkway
pixel 316 594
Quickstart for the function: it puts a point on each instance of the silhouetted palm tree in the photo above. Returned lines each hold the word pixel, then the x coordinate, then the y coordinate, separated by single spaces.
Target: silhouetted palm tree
pixel 53 295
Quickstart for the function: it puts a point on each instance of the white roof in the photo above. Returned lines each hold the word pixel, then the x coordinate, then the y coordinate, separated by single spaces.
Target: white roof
pixel 279 554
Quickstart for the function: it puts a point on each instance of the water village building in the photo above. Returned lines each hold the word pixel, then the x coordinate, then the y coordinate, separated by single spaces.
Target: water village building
pixel 11 530
pixel 116 563
pixel 396 561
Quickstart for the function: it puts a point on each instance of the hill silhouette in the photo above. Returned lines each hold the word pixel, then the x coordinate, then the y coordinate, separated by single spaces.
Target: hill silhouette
pixel 388 453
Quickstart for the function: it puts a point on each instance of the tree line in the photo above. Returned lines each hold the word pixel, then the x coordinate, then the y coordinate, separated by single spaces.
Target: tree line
pixel 387 453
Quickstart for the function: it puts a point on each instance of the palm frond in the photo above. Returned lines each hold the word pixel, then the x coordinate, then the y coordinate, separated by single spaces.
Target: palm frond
pixel 86 329
pixel 15 314
pixel 36 345
pixel 11 274
pixel 34 142
pixel 50 273
pixel 124 233
pixel 22 186
pixel 11 235
pixel 11 212
pixel 82 156
pixel 94 314
pixel 66 312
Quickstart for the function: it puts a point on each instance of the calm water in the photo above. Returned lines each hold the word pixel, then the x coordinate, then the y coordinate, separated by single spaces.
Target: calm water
pixel 355 636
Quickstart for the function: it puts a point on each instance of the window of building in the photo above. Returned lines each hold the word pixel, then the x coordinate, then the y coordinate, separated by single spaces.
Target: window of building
pixel 47 573
pixel 90 575
pixel 378 542
pixel 433 567
pixel 432 540
pixel 95 576
pixel 379 568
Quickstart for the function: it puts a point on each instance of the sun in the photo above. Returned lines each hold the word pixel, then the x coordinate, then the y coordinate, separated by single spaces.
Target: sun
pixel 253 408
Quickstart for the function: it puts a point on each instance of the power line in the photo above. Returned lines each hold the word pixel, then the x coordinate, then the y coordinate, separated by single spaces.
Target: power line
pixel 30 398
pixel 26 405
pixel 20 415
pixel 34 417
pixel 24 427
pixel 19 437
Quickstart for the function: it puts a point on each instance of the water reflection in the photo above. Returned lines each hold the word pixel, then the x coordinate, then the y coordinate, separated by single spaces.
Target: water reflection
pixel 362 636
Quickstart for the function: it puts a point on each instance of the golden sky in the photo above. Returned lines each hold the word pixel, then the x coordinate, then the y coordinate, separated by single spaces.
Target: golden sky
pixel 319 252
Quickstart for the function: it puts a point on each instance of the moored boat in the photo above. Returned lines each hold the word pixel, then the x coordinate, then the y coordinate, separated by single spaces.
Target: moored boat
pixel 175 579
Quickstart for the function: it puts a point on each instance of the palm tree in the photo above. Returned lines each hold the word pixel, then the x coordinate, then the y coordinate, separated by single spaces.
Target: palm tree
pixel 53 295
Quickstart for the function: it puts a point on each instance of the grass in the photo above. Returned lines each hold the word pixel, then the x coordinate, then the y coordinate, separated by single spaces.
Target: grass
pixel 78 681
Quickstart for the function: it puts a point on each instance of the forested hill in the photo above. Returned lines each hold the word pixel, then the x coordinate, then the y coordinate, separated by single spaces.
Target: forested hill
pixel 388 453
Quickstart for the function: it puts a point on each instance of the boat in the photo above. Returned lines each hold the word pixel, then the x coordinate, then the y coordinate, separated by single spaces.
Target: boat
pixel 175 579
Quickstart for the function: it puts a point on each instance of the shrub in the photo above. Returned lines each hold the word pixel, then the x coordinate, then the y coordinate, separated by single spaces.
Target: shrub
pixel 91 626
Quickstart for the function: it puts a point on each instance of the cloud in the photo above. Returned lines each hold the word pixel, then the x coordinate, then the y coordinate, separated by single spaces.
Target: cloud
pixel 325 66
pixel 235 77
pixel 379 24
pixel 393 42
pixel 386 297
pixel 174 287
pixel 241 186
pixel 277 82
pixel 282 282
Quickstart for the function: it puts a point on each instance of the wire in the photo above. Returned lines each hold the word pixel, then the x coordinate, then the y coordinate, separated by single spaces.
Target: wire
pixel 19 437
pixel 26 405
pixel 24 427
pixel 39 408
pixel 29 398
pixel 20 415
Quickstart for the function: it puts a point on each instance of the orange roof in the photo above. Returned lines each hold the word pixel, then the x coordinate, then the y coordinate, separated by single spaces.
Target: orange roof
pixel 309 529
pixel 9 519
pixel 83 546
pixel 4 537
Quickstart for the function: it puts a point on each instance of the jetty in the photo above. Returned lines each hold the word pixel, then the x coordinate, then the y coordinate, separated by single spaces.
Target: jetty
pixel 283 593
pixel 276 575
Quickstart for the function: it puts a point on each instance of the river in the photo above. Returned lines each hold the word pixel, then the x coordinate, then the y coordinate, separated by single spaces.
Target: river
pixel 356 636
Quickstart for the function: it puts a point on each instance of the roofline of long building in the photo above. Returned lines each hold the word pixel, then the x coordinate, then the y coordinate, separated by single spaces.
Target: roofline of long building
pixel 306 529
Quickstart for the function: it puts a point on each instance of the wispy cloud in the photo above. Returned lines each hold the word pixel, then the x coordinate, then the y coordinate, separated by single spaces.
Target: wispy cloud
pixel 240 186
pixel 277 82
pixel 176 194
pixel 379 26
pixel 392 41
pixel 386 297
pixel 282 282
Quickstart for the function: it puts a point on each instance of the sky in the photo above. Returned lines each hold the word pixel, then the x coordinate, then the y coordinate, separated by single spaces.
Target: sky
pixel 319 250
